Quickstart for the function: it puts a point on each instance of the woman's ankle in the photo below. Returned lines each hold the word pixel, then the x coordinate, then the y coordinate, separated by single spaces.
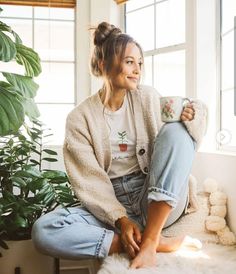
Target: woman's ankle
pixel 116 246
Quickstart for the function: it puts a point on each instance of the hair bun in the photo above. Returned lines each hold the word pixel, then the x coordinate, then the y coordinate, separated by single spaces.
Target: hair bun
pixel 103 32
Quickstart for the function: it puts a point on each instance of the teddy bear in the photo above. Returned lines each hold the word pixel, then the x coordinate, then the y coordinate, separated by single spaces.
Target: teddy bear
pixel 216 222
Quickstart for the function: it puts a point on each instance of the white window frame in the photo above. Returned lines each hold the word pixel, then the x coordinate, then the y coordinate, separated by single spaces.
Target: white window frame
pixel 220 147
pixel 32 19
pixel 188 46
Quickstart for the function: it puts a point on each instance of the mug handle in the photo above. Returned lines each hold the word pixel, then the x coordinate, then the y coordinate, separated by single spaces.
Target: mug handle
pixel 186 99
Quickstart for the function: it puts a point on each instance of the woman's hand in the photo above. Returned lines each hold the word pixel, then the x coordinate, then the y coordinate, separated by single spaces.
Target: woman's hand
pixel 187 113
pixel 130 236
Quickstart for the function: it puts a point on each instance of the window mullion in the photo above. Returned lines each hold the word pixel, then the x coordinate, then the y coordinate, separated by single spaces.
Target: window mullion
pixel 165 50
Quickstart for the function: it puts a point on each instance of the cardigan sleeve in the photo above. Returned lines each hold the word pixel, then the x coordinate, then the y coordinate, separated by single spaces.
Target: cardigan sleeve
pixel 198 126
pixel 90 182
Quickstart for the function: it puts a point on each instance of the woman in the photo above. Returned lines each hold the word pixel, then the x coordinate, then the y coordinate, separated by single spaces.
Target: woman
pixel 129 170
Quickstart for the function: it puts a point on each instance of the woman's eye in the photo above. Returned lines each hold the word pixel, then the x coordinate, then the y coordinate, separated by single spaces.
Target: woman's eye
pixel 129 62
pixel 140 64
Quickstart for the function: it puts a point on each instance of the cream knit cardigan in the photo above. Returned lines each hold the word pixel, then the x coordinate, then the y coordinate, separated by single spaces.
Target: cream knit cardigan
pixel 87 150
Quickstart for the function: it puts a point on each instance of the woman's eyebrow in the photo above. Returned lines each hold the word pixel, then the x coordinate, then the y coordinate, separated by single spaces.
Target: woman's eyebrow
pixel 126 57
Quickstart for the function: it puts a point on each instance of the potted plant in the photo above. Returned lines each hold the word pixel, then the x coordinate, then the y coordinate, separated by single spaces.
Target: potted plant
pixel 123 141
pixel 27 189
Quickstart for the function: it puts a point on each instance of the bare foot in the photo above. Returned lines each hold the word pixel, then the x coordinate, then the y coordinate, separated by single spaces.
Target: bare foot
pixel 169 244
pixel 146 256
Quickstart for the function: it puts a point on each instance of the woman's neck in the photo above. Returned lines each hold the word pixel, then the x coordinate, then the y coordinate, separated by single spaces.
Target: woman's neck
pixel 116 99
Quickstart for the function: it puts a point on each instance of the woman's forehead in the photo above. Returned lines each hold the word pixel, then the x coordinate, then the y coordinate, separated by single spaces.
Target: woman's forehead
pixel 132 50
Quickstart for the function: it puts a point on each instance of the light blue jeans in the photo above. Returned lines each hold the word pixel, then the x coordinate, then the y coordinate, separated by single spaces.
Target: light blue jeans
pixel 76 233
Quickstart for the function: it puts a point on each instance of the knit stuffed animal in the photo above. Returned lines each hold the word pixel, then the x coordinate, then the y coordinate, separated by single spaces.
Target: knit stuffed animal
pixel 216 220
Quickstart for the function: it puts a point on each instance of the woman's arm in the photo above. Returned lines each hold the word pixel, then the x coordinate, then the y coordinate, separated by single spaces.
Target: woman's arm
pixel 198 126
pixel 90 181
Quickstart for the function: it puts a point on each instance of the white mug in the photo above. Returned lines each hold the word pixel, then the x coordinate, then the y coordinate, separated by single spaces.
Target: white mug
pixel 172 107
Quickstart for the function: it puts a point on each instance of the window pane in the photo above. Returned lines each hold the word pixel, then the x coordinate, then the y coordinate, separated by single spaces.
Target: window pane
pixel 169 73
pixel 16 11
pixel 170 23
pixel 56 83
pixel 54 40
pixel 140 25
pixel 135 4
pixel 54 13
pixel 147 79
pixel 23 28
pixel 227 61
pixel 12 67
pixel 228 13
pixel 227 115
pixel 54 116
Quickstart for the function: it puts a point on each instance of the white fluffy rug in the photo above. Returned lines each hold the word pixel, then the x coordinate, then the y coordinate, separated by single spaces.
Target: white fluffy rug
pixel 211 259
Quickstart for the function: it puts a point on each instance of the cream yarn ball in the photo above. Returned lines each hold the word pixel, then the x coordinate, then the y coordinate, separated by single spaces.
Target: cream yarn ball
pixel 216 220
pixel 210 185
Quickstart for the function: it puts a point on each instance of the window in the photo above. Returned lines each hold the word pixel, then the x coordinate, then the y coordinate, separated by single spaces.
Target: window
pixel 227 73
pixel 50 31
pixel 159 27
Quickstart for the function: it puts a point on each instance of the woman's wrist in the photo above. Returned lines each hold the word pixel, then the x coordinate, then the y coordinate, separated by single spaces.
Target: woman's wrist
pixel 120 221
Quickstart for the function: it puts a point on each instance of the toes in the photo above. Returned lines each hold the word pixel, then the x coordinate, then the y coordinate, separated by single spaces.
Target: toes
pixel 133 265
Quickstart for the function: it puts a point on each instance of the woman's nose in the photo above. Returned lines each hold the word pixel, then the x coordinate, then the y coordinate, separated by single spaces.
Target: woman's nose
pixel 137 69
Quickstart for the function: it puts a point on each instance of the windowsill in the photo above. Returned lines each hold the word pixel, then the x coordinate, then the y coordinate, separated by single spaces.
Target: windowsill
pixel 218 152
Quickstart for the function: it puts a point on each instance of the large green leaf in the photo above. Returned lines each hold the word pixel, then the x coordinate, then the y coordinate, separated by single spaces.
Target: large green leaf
pixel 20 221
pixel 11 112
pixel 51 174
pixel 5 27
pixel 18 181
pixel 30 172
pixel 7 48
pixel 30 59
pixel 24 84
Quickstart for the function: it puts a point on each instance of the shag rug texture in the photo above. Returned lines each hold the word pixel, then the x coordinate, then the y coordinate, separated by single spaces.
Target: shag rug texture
pixel 212 258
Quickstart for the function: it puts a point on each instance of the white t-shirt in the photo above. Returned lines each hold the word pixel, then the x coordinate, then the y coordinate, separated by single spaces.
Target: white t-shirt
pixel 123 139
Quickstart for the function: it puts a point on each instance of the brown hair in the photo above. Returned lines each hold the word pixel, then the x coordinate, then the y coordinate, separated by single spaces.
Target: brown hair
pixel 110 44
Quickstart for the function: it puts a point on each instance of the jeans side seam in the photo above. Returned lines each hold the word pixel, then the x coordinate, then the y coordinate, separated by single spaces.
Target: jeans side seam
pixel 99 244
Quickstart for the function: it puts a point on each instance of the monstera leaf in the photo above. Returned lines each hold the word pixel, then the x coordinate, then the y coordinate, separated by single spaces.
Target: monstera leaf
pixel 17 94
pixel 23 84
pixel 29 58
pixel 11 111
pixel 7 45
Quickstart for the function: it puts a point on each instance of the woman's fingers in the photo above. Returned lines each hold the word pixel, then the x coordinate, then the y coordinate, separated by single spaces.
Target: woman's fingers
pixel 188 113
pixel 130 250
pixel 137 235
pixel 129 242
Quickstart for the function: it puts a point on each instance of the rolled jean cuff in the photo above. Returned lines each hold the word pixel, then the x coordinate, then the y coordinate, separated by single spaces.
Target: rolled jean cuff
pixel 104 243
pixel 158 194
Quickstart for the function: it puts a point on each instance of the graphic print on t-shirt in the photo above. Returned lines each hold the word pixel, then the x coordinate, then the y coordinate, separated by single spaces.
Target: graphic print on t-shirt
pixel 123 140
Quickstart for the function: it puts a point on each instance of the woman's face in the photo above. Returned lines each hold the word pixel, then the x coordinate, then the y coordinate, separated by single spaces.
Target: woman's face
pixel 128 76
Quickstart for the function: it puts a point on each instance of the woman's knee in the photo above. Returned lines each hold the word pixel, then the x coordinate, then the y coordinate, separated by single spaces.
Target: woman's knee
pixel 46 226
pixel 175 134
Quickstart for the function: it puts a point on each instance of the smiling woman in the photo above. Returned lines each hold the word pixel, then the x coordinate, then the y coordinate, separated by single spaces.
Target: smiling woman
pixel 129 170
